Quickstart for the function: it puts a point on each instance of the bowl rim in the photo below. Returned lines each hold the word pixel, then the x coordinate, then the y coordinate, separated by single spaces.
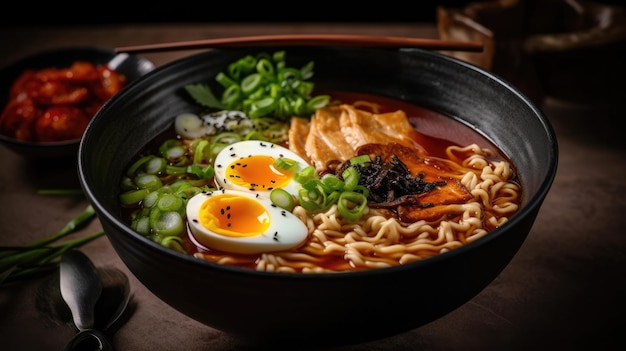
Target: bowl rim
pixel 532 204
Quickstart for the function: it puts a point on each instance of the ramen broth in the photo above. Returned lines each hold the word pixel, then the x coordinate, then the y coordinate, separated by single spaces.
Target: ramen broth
pixel 434 132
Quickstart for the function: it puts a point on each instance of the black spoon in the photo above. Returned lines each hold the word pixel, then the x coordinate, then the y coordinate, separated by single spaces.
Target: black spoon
pixel 81 287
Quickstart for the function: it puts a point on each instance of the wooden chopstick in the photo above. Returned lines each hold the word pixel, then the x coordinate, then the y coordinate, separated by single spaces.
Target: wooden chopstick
pixel 309 40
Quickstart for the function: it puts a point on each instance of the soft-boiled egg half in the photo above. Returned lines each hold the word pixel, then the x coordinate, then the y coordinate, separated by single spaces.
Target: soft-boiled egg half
pixel 243 222
pixel 250 166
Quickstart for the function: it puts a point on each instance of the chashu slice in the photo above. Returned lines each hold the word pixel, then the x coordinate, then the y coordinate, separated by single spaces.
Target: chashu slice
pixel 325 142
pixel 298 132
pixel 336 132
pixel 361 127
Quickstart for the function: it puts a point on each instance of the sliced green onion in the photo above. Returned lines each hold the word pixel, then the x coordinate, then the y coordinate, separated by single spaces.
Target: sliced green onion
pixel 168 144
pixel 242 66
pixel 279 56
pixel 282 198
pixel 175 153
pixel 141 225
pixel 306 174
pixel 255 135
pixel 173 242
pixel 262 107
pixel 231 96
pixel 352 205
pixel 313 199
pixel 167 223
pixel 304 88
pixel 127 184
pixel 318 102
pixel 208 172
pixel 226 138
pixel 175 170
pixel 265 68
pixel 359 160
pixel 155 165
pixel 286 164
pixel 361 189
pixel 169 202
pixel 148 181
pixel 250 83
pixel 332 198
pixel 199 152
pixel 289 73
pixel 133 196
pixel 150 199
pixel 350 178
pixel 332 182
pixel 215 149
pixel 137 165
pixel 224 80
pixel 307 70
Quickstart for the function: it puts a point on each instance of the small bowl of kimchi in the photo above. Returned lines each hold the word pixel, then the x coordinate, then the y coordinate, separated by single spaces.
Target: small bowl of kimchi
pixel 48 99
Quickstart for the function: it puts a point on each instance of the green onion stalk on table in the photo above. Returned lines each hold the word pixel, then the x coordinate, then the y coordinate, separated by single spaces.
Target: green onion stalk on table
pixel 43 255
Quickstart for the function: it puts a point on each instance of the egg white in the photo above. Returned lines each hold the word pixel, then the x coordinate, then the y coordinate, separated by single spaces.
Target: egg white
pixel 285 230
pixel 239 151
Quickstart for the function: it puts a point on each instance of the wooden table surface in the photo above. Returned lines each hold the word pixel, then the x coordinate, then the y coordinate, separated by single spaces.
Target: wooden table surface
pixel 565 289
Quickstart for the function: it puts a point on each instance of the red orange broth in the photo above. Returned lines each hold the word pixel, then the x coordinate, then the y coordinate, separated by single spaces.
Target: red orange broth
pixel 434 131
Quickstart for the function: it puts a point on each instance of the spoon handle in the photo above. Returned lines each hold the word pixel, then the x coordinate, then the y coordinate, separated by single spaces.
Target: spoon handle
pixel 89 339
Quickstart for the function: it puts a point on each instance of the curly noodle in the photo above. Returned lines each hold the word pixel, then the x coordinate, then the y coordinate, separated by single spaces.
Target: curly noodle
pixel 376 241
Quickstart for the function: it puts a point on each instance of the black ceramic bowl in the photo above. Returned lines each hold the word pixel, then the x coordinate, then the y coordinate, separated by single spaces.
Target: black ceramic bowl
pixel 329 308
pixel 132 66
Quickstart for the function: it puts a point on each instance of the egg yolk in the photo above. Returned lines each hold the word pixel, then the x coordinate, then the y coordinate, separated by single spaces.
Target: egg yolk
pixel 234 216
pixel 257 172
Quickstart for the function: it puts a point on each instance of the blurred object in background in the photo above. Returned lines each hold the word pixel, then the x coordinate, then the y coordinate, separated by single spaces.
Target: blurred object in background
pixel 570 50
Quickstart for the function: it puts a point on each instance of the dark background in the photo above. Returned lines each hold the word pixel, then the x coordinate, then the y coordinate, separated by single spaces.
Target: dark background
pixel 27 13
